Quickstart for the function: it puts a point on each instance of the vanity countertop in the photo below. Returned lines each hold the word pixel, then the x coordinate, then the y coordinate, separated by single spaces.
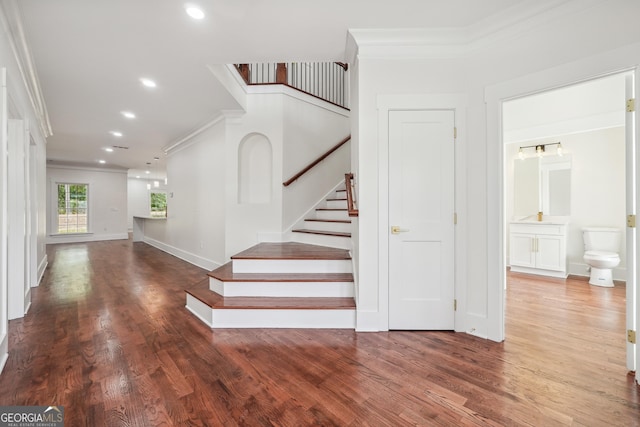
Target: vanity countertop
pixel 546 220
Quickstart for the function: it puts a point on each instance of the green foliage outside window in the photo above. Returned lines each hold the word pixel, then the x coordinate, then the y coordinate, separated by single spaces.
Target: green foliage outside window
pixel 159 205
pixel 72 208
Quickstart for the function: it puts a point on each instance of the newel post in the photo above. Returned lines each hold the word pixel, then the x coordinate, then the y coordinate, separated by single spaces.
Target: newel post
pixel 281 73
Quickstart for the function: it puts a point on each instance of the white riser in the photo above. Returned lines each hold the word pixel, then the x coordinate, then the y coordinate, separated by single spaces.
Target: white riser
pixel 322 240
pixel 332 214
pixel 292 265
pixel 307 319
pixel 340 227
pixel 336 204
pixel 201 310
pixel 281 289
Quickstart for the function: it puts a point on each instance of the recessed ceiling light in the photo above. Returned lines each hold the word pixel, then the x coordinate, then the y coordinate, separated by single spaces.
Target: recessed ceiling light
pixel 148 82
pixel 138 176
pixel 194 12
pixel 102 162
pixel 147 172
pixel 109 150
pixel 116 133
pixel 128 114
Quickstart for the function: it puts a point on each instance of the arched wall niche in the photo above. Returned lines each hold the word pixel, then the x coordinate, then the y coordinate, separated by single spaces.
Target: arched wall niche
pixel 255 169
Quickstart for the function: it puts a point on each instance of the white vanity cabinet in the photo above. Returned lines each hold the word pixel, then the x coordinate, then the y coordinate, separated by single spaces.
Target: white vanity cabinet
pixel 538 248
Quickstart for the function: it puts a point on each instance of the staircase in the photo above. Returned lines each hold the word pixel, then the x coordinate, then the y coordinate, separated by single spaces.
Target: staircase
pixel 305 283
pixel 330 224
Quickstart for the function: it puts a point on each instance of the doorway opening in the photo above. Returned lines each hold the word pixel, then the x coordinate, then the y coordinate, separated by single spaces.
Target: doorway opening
pixel 569 164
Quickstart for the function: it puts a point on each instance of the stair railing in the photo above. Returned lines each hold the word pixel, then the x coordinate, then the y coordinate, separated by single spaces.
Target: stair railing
pixel 350 185
pixel 324 80
pixel 315 162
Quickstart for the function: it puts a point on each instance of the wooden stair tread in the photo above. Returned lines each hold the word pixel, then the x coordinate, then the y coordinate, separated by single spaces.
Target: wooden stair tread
pixel 324 233
pixel 216 301
pixel 340 221
pixel 226 274
pixel 292 250
pixel 336 200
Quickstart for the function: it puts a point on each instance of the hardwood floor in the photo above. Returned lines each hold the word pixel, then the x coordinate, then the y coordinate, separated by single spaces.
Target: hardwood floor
pixel 108 338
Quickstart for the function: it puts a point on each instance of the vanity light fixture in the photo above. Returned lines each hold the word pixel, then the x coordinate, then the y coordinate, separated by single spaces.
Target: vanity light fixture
pixel 540 149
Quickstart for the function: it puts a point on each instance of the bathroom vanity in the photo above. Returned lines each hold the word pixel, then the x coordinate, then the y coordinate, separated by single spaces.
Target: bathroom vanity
pixel 538 247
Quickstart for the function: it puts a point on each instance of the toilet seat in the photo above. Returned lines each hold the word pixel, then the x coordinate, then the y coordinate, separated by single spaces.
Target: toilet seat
pixel 600 254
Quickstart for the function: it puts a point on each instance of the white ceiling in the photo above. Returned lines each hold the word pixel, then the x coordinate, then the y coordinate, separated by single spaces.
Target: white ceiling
pixel 90 54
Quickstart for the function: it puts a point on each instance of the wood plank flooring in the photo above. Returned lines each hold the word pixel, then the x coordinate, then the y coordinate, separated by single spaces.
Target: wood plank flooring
pixel 108 338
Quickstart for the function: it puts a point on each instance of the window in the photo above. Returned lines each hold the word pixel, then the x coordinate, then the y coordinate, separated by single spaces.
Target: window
pixel 72 208
pixel 158 205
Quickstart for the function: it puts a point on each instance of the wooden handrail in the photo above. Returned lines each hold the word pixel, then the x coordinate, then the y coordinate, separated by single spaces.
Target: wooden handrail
pixel 351 205
pixel 315 162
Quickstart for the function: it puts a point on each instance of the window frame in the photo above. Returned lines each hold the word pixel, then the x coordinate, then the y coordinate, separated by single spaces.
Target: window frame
pixel 55 216
pixel 151 211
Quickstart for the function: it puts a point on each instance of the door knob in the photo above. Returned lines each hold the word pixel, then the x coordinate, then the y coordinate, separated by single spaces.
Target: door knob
pixel 395 229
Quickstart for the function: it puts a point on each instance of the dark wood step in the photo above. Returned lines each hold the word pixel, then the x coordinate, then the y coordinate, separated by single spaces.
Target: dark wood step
pixel 226 274
pixel 292 250
pixel 216 301
pixel 341 221
pixel 323 233
pixel 337 200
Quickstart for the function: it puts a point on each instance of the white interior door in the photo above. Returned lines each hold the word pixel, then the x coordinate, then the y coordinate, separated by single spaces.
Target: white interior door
pixel 633 358
pixel 421 219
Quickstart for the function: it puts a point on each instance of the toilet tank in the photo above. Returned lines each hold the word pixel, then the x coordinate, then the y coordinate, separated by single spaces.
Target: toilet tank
pixel 601 239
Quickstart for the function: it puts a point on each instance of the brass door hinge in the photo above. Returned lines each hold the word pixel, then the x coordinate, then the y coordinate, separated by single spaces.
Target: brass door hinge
pixel 631 221
pixel 455 132
pixel 631 336
pixel 455 305
pixel 455 218
pixel 631 105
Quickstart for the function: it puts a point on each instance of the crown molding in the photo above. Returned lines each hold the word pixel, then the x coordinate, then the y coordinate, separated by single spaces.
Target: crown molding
pixel 447 43
pixel 11 21
pixel 187 140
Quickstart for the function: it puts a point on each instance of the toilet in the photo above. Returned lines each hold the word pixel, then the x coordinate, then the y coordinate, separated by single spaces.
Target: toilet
pixel 601 247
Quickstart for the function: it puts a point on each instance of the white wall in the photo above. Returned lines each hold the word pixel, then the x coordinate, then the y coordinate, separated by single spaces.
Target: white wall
pixel 310 130
pixel 594 35
pixel 597 188
pixel 107 202
pixel 20 101
pixel 137 200
pixel 195 226
pixel 209 220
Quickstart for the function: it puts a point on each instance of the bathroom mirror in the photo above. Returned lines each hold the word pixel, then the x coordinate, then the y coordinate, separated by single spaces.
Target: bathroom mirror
pixel 542 184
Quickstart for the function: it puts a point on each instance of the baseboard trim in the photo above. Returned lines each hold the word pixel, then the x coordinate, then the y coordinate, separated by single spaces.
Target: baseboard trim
pixel 86 238
pixel 191 258
pixel 42 267
pixel 4 351
pixel 582 269
pixel 368 321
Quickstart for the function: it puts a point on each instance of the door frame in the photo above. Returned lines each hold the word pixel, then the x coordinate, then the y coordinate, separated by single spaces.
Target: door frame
pixel 458 104
pixel 570 74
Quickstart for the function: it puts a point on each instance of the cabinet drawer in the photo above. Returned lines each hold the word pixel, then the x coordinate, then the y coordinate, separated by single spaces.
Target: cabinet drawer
pixel 537 229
